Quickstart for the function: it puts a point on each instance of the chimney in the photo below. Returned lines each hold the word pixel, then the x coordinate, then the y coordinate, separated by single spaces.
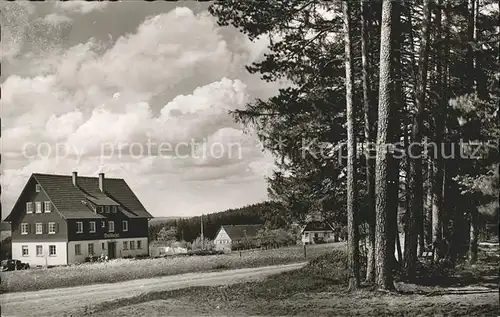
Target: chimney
pixel 101 182
pixel 74 178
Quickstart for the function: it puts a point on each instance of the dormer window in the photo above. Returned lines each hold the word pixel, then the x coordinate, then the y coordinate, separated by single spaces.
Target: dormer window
pixel 114 209
pixel 38 188
pixel 107 209
pixel 99 209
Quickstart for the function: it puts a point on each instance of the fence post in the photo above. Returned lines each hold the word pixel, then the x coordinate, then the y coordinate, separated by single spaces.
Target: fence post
pixel 305 252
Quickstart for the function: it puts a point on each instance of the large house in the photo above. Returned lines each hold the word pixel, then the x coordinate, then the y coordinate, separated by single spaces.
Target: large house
pixel 237 236
pixel 60 220
pixel 318 231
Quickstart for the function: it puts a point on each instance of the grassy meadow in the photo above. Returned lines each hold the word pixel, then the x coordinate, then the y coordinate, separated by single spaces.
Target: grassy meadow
pixel 320 289
pixel 130 269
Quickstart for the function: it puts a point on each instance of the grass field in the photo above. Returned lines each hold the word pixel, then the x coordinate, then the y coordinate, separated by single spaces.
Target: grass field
pixel 129 269
pixel 320 289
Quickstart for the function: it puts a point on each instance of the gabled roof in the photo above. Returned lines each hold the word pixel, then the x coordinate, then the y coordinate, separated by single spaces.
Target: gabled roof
pixel 67 198
pixel 237 232
pixel 317 226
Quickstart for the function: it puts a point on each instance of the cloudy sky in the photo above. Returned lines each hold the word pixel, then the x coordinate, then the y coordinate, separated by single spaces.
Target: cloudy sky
pixel 136 90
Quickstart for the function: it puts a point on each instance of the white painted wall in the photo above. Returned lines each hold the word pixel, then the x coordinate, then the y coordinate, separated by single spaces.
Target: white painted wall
pixel 222 241
pixel 309 238
pixel 98 250
pixel 33 260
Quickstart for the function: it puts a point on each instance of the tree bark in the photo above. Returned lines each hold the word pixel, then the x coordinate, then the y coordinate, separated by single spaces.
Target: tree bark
pixel 394 133
pixel 416 201
pixel 352 221
pixel 474 234
pixel 471 31
pixel 429 204
pixel 369 139
pixel 383 257
pixel 438 188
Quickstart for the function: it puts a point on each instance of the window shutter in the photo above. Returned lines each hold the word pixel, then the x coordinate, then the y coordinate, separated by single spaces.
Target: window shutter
pixel 45 228
pixel 57 227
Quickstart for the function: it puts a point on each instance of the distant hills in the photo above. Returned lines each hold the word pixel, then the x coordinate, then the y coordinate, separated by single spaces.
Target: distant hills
pixel 157 220
pixel 188 228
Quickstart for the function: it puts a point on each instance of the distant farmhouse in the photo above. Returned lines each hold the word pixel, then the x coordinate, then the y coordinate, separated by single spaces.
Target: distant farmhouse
pixel 59 220
pixel 237 236
pixel 318 231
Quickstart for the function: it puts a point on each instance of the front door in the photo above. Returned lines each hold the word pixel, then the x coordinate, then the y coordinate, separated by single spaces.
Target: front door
pixel 111 250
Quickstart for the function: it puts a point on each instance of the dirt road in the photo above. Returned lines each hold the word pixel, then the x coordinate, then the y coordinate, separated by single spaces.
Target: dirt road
pixel 63 301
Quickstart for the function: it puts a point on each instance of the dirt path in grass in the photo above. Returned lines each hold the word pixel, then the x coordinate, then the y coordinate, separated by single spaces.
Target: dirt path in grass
pixel 66 301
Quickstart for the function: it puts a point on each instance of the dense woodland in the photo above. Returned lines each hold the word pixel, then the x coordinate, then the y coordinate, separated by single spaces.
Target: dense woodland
pixel 188 229
pixel 391 98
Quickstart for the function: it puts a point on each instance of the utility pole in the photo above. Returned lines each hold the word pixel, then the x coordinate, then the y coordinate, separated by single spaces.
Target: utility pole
pixel 202 238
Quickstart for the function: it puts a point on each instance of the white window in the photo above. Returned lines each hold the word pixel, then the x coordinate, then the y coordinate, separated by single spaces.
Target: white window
pixel 99 209
pixel 39 250
pixel 114 208
pixel 24 228
pixel 38 207
pixel 107 209
pixel 91 248
pixel 111 225
pixel 38 188
pixel 78 249
pixel 46 206
pixel 25 250
pixel 92 226
pixel 29 207
pixel 125 245
pixel 52 227
pixel 125 225
pixel 132 245
pixel 39 228
pixel 52 250
pixel 139 245
pixel 79 227
pixel 103 224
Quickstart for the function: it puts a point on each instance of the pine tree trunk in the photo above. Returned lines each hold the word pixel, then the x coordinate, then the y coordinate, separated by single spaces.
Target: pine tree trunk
pixel 394 132
pixel 429 204
pixel 474 235
pixel 470 74
pixel 383 257
pixel 416 201
pixel 352 223
pixel 370 162
pixel 438 188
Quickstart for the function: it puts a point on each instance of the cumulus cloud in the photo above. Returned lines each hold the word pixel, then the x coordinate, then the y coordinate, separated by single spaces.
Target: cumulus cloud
pixel 95 105
pixel 80 7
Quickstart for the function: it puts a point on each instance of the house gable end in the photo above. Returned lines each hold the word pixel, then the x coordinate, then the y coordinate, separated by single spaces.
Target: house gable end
pixel 24 192
pixel 48 196
pixel 28 189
